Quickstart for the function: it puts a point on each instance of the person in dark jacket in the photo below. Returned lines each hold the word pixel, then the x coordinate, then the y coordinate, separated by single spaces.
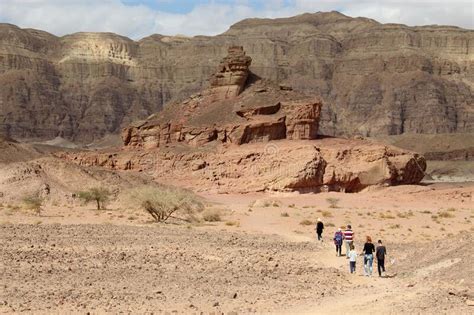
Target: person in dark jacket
pixel 319 229
pixel 368 252
pixel 338 238
pixel 380 253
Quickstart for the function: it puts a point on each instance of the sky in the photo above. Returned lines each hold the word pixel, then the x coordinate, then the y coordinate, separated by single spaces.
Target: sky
pixel 139 18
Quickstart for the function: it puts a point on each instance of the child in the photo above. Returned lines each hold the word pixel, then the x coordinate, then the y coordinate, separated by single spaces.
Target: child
pixel 352 258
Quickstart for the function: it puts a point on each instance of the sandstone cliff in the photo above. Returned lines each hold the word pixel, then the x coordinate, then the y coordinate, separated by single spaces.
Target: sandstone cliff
pixel 375 79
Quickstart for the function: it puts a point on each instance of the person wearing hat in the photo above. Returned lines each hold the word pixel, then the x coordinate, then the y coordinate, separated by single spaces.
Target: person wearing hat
pixel 338 237
pixel 319 229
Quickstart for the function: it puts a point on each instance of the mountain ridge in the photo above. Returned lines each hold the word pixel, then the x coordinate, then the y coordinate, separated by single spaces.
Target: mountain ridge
pixel 375 79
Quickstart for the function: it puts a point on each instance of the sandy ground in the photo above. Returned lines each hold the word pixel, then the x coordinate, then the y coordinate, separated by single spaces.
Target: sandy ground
pixel 259 258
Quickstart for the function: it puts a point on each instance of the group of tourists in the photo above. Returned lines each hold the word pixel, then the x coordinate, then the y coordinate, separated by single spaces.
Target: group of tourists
pixel 346 237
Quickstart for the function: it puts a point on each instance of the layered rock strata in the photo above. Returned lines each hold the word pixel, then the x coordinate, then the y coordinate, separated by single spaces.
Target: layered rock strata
pixel 375 79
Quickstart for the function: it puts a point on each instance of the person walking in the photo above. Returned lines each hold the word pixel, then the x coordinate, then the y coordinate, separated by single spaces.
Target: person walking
pixel 338 238
pixel 352 258
pixel 368 252
pixel 380 253
pixel 348 239
pixel 319 229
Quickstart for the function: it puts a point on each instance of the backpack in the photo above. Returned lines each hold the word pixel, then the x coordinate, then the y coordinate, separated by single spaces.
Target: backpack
pixel 338 237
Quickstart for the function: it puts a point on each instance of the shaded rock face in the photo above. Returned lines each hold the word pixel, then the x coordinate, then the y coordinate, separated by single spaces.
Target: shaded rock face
pixel 375 79
pixel 230 111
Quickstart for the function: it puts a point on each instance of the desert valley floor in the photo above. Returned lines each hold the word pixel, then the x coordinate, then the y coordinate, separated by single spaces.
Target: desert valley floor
pixel 260 257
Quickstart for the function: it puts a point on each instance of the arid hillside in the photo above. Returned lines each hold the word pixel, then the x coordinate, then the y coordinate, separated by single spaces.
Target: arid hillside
pixel 375 79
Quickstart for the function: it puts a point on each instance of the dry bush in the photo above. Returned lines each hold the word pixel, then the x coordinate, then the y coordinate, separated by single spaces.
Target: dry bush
pixel 99 195
pixel 291 206
pixel 394 226
pixel 233 223
pixel 405 215
pixel 34 203
pixel 326 214
pixel 452 209
pixel 306 222
pixel 333 202
pixel 445 214
pixel 164 203
pixel 211 215
pixel 284 214
pixel 386 216
pixel 426 212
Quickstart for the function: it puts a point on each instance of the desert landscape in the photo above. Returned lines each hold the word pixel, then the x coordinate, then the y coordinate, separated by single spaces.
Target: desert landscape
pixel 186 175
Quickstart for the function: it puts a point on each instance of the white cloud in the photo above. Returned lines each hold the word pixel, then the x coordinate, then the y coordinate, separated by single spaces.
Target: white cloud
pixel 212 17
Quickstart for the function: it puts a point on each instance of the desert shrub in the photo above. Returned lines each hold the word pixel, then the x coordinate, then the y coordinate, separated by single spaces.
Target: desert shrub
pixel 386 216
pixel 211 215
pixel 98 195
pixel 291 206
pixel 394 226
pixel 285 214
pixel 326 214
pixel 165 203
pixel 426 212
pixel 232 223
pixel 452 209
pixel 333 202
pixel 306 222
pixel 445 214
pixel 34 203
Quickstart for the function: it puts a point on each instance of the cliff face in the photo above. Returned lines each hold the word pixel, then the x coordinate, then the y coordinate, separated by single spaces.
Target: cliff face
pixel 374 79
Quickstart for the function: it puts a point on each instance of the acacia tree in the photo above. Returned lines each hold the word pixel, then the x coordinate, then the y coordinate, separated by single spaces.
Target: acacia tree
pixel 98 195
pixel 165 203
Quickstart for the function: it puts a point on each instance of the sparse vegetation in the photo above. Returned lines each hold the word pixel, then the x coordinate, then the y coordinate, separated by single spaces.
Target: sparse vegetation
pixel 306 222
pixel 165 203
pixel 291 206
pixel 333 202
pixel 394 226
pixel 98 195
pixel 34 203
pixel 233 223
pixel 211 215
pixel 284 214
pixel 386 216
pixel 445 214
pixel 326 214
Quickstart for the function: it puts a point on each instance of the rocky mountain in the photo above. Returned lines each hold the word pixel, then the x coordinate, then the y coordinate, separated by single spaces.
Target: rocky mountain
pixel 374 79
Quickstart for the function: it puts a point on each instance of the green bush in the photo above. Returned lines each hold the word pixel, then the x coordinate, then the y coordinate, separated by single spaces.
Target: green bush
pixel 97 194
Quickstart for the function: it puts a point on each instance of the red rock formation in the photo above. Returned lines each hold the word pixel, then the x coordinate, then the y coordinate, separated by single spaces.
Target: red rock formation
pixel 241 137
pixel 330 163
pixel 229 111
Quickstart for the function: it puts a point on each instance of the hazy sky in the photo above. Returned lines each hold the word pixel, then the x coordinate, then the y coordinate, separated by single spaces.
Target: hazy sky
pixel 139 18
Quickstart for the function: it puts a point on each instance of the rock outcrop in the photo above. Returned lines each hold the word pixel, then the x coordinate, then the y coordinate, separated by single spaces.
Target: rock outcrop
pixel 259 137
pixel 302 165
pixel 230 110
pixel 375 79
